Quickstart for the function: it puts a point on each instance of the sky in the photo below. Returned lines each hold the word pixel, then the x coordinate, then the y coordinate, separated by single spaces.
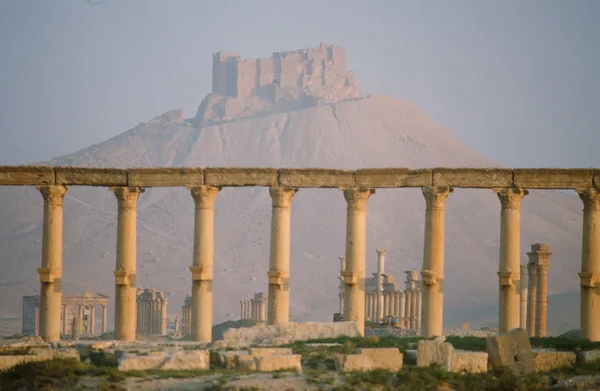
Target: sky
pixel 518 81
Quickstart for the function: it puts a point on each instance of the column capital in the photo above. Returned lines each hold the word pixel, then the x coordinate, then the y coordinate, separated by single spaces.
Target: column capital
pixel 590 198
pixel 204 196
pixel 282 196
pixel 435 197
pixel 542 268
pixel 53 194
pixel 127 196
pixel 357 197
pixel 510 197
pixel 380 252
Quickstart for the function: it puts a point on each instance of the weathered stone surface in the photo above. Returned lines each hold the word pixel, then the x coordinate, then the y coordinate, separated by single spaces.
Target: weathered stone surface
pixel 7 362
pixel 473 177
pixel 474 362
pixel 288 332
pixel 229 359
pixel 512 350
pixel 435 352
pixel 384 358
pixel 134 362
pixel 26 175
pixel 549 360
pixel 164 177
pixel 270 351
pixel 187 360
pixel 316 177
pixel 588 356
pixel 596 177
pixel 279 363
pixel 352 362
pixel 266 382
pixel 553 178
pixel 234 176
pixel 246 362
pixel 392 177
pixel 90 176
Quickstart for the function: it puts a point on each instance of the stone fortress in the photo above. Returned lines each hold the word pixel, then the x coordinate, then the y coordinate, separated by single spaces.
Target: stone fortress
pixel 357 186
pixel 287 80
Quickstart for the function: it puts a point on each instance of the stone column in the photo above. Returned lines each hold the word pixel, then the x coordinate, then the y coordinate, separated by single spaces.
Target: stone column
pixel 413 306
pixel 354 275
pixel 65 325
pixel 93 318
pixel 433 260
pixel 510 255
pixel 402 314
pixel 341 288
pixel 163 320
pixel 125 271
pixel 51 270
pixel 80 317
pixel 590 265
pixel 241 309
pixel 542 298
pixel 262 309
pixel 366 306
pixel 279 262
pixel 531 296
pixel 418 311
pixel 379 284
pixel 203 261
pixel 104 318
pixel 341 309
pixel 408 307
pixel 524 288
pixel 386 302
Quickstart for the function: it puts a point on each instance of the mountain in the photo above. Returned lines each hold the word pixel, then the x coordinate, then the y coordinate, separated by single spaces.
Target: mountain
pixel 376 131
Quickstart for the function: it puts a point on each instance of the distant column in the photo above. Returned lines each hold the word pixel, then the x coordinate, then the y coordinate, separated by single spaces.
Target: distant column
pixel 80 316
pixel 163 323
pixel 590 265
pixel 523 285
pixel 354 275
pixel 401 313
pixel 418 311
pixel 341 289
pixel 203 262
pixel 51 270
pixel 510 253
pixel 386 301
pixel 408 307
pixel 93 318
pixel 104 318
pixel 379 284
pixel 541 253
pixel 279 261
pixel 125 271
pixel 531 295
pixel 262 309
pixel 433 260
pixel 241 309
pixel 65 325
pixel 413 306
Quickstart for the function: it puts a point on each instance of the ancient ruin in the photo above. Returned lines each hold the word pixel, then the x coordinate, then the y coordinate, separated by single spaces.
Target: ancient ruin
pixel 357 187
pixel 537 290
pixel 253 308
pixel 82 308
pixel 151 312
pixel 186 316
pixel 295 79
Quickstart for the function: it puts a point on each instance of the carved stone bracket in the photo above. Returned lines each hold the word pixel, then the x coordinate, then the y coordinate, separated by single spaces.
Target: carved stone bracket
pixel 589 279
pixel 278 278
pixel 507 278
pixel 123 277
pixel 350 278
pixel 429 277
pixel 48 275
pixel 201 273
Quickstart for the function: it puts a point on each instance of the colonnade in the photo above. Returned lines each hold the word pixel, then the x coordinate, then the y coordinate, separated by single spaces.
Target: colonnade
pixel 353 275
pixel 537 289
pixel 253 308
pixel 151 312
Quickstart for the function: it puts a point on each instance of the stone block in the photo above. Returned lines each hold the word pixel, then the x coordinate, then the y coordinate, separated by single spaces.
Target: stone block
pixel 229 359
pixel 352 362
pixel 165 177
pixel 553 178
pixel 511 350
pixel 246 362
pixel 588 356
pixel 465 361
pixel 549 360
pixel 392 177
pixel 26 175
pixel 262 352
pixel 473 177
pixel 238 176
pixel 135 362
pixel 9 361
pixel 279 363
pixel 90 176
pixel 384 358
pixel 187 360
pixel 316 177
pixel 435 352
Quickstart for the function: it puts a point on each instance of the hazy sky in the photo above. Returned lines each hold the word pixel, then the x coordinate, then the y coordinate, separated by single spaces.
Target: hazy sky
pixel 519 81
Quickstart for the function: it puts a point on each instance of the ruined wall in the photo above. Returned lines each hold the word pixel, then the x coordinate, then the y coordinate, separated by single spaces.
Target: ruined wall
pixel 246 80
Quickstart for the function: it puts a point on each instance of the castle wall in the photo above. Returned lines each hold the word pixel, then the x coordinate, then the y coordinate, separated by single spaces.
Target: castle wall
pixel 265 73
pixel 246 78
pixel 292 67
pixel 224 73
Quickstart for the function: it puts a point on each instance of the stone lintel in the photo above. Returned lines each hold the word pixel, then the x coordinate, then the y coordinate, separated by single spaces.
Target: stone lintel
pixel 240 176
pixel 278 278
pixel 48 275
pixel 553 178
pixel 26 175
pixel 201 273
pixel 123 277
pixel 473 177
pixel 90 176
pixel 589 279
pixel 350 278
pixel 507 278
pixel 165 177
pixel 392 177
pixel 316 177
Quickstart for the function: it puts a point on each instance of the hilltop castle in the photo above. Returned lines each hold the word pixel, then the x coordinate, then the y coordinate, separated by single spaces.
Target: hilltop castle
pixel 287 80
